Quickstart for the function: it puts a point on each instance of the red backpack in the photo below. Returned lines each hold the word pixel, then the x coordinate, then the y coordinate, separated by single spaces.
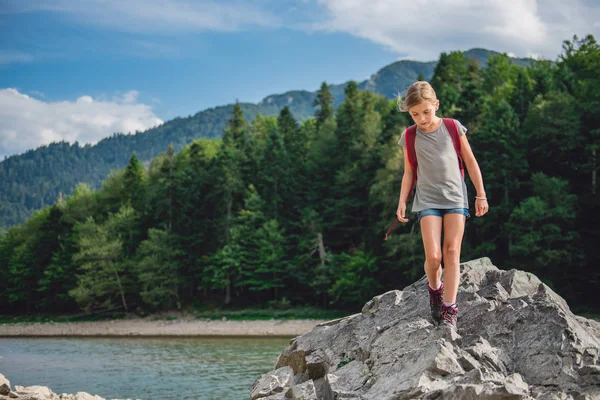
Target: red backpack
pixel 411 133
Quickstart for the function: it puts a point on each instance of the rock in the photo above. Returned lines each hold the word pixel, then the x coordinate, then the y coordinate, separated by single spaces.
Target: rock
pixel 24 396
pixel 303 391
pixel 323 389
pixel 4 385
pixel 86 396
pixel 516 339
pixel 42 393
pixel 272 383
pixel 278 396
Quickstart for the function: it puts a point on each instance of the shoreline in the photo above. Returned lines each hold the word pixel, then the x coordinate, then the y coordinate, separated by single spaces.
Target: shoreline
pixel 181 328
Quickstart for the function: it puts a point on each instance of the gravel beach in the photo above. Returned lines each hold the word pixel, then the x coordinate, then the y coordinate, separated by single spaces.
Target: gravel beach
pixel 148 328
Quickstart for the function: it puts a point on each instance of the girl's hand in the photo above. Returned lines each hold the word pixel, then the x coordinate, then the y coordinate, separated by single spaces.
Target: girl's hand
pixel 401 212
pixel 481 207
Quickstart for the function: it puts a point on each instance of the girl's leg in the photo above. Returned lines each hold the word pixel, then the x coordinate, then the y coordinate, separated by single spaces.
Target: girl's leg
pixel 431 232
pixel 454 228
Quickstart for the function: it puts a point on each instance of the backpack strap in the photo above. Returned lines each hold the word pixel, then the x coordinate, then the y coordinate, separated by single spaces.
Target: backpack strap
pixel 411 133
pixel 453 130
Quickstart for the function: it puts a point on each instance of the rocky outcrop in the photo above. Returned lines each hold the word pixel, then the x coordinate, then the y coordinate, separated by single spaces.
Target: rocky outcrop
pixel 516 339
pixel 38 393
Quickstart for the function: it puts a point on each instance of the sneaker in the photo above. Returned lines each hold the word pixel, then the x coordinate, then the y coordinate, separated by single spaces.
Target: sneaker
pixel 436 301
pixel 449 315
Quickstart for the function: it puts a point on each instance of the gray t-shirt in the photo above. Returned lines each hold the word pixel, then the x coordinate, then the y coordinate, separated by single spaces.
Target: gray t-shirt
pixel 439 182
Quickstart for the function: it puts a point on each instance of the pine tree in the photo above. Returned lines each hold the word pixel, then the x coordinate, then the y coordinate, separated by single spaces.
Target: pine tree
pixel 56 248
pixel 357 132
pixel 499 76
pixel 5 252
pixel 162 194
pixel 273 271
pixel 233 265
pixel 28 251
pixel 522 94
pixel 196 220
pixel 158 269
pixel 111 196
pixel 324 101
pixel 501 154
pixel 102 282
pixel 261 240
pixel 236 132
pixel 356 279
pixel 82 203
pixel 296 143
pixel 349 124
pixel 447 81
pixel 578 72
pixel 471 98
pixel 133 183
pixel 552 126
pixel 274 176
pixel 543 73
pixel 231 168
pixel 545 236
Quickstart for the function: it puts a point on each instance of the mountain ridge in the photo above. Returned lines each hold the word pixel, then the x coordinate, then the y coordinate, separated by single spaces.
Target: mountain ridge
pixel 37 168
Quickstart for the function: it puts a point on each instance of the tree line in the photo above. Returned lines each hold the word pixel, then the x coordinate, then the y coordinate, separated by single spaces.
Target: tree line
pixel 295 213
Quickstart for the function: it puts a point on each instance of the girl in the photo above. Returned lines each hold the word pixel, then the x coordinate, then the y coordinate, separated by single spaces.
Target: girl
pixel 441 194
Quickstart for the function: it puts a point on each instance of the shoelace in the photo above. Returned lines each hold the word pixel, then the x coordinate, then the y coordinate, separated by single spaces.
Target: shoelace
pixel 449 314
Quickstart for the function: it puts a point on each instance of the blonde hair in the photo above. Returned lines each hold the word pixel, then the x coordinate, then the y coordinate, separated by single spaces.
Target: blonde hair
pixel 417 93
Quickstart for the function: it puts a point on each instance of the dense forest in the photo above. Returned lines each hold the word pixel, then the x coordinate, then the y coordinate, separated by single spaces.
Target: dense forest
pixel 278 211
pixel 35 179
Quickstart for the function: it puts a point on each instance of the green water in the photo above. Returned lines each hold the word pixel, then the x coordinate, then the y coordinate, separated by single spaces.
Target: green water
pixel 135 368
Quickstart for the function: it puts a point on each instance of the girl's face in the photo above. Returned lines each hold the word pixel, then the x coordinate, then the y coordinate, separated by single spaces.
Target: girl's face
pixel 424 114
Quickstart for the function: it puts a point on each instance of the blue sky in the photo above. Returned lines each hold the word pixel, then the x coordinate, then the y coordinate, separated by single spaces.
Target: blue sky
pixel 83 69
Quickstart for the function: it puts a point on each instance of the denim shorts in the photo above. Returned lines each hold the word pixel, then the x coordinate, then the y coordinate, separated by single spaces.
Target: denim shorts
pixel 440 212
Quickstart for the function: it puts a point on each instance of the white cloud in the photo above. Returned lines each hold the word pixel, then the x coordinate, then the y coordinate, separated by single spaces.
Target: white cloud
pixel 155 48
pixel 130 97
pixel 36 93
pixel 157 16
pixel 421 29
pixel 28 123
pixel 8 57
pixel 414 29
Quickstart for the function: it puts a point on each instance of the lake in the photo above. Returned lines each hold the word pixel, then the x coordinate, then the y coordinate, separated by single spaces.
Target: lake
pixel 141 368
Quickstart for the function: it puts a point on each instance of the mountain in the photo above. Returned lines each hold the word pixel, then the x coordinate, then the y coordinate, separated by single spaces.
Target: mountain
pixel 396 77
pixel 36 178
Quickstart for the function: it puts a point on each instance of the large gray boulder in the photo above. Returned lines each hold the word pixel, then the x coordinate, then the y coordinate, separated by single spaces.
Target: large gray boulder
pixel 516 339
pixel 4 385
pixel 38 393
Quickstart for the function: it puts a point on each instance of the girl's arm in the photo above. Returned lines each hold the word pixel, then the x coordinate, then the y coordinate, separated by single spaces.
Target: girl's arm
pixel 407 179
pixel 481 204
